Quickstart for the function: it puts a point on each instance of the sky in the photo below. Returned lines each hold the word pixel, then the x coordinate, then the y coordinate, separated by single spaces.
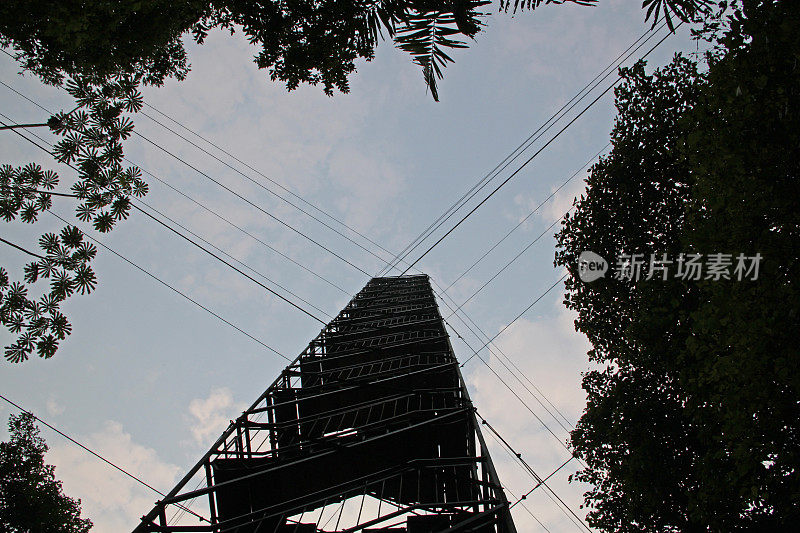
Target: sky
pixel 149 380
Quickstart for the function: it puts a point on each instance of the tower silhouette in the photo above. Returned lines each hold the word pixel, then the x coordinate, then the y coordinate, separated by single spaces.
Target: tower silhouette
pixel 370 429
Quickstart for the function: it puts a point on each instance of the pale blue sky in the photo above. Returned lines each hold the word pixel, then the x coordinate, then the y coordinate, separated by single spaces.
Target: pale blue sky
pixel 151 380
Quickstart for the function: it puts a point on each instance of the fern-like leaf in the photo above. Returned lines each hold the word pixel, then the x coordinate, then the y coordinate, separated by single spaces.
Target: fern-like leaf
pixel 426 35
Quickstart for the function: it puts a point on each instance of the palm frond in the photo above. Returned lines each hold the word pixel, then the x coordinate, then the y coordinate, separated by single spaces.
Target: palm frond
pixel 426 34
pixel 684 10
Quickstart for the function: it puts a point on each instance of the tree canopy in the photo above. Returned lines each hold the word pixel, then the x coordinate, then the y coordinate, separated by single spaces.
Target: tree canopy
pixel 692 421
pixel 301 41
pixel 31 498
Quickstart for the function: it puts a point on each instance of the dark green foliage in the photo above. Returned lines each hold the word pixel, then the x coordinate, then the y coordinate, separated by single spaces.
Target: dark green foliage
pixel 632 436
pixel 318 42
pixel 58 38
pixel 684 10
pixel 301 41
pixel 694 423
pixel 31 499
pixel 91 142
pixel 744 143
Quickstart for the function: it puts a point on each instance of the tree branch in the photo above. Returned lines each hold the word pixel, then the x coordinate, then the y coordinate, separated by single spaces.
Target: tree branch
pixel 37 191
pixel 14 126
pixel 22 249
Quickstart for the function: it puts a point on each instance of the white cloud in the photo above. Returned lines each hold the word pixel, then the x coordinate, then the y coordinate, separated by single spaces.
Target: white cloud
pixel 552 355
pixel 551 209
pixel 112 500
pixel 210 415
pixel 54 408
pixel 520 213
pixel 563 199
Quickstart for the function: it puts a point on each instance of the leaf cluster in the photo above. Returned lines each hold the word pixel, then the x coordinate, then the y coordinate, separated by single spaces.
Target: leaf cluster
pixel 57 39
pixel 91 142
pixel 426 34
pixel 39 323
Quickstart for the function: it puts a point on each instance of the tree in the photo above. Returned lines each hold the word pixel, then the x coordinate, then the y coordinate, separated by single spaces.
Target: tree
pixel 31 498
pixel 301 41
pixel 692 424
pixel 58 38
pixel 740 364
pixel 633 435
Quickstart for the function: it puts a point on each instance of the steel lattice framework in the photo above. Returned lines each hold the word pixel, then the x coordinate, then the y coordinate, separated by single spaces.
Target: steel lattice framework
pixel 372 424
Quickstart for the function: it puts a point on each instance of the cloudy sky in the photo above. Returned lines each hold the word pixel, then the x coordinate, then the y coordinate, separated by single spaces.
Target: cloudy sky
pixel 149 380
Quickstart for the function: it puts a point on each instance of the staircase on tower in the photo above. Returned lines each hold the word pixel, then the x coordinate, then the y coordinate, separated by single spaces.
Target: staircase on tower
pixel 370 429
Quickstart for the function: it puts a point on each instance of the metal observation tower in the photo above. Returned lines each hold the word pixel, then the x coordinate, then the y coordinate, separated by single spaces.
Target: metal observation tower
pixel 370 429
